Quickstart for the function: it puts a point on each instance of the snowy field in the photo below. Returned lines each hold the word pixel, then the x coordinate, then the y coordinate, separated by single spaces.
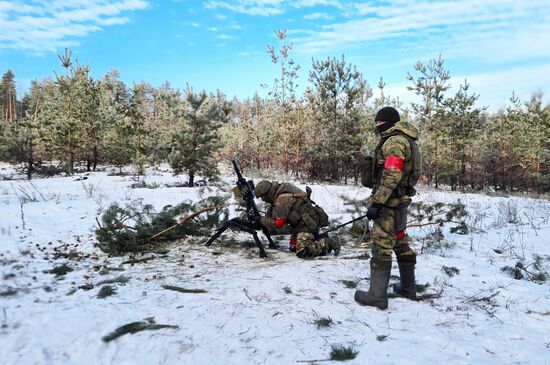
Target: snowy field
pixel 263 311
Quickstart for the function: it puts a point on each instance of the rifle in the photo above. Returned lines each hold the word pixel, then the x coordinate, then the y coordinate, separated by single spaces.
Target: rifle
pixel 325 233
pixel 252 222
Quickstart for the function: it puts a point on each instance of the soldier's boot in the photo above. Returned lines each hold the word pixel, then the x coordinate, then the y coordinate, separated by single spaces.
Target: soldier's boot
pixel 333 244
pixel 377 296
pixel 406 287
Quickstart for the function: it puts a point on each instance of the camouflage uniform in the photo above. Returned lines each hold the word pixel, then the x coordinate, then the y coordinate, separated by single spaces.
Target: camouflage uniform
pixel 395 170
pixel 290 205
pixel 391 190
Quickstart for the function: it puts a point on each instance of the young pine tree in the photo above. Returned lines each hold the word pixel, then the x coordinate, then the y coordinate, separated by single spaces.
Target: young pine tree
pixel 196 140
pixel 430 83
pixel 338 102
pixel 22 142
pixel 283 92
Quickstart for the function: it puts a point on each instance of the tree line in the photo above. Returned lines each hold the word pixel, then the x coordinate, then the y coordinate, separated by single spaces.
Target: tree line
pixel 73 119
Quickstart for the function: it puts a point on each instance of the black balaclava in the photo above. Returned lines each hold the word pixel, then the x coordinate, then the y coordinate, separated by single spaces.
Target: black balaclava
pixel 389 115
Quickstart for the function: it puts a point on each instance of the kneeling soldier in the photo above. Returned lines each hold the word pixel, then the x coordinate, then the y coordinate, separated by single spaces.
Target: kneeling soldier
pixel 292 206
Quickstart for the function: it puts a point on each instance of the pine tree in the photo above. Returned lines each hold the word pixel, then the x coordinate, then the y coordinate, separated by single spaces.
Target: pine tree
pixel 166 103
pixel 138 113
pixel 501 156
pixel 196 140
pixel 430 85
pixel 461 125
pixel 283 90
pixel 338 103
pixel 8 98
pixel 535 151
pixel 22 142
pixel 117 140
pixel 70 115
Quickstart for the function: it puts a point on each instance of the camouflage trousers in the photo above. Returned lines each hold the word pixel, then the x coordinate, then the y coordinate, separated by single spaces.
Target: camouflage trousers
pixel 388 235
pixel 308 246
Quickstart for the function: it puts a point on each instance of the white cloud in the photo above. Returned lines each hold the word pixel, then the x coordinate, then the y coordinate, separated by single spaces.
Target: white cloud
pixel 312 3
pixel 317 16
pixel 250 7
pixel 468 27
pixel 39 25
pixel 225 36
pixel 114 21
pixel 494 88
pixel 268 7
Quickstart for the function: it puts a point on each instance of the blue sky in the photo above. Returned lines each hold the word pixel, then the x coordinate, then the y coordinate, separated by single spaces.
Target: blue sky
pixel 500 46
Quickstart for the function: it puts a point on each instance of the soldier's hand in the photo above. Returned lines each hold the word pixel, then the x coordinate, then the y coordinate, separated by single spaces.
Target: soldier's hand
pixel 374 211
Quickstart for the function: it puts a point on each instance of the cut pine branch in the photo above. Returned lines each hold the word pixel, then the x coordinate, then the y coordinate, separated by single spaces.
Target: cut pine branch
pixel 181 222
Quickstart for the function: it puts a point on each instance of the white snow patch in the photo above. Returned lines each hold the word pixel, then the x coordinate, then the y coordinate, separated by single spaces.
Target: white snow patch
pixel 262 311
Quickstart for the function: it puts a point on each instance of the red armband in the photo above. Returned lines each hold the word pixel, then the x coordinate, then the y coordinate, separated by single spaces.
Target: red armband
pixel 400 235
pixel 279 222
pixel 393 162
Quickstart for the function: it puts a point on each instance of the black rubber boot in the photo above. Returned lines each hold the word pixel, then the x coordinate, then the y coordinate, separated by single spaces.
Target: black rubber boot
pixel 377 296
pixel 407 287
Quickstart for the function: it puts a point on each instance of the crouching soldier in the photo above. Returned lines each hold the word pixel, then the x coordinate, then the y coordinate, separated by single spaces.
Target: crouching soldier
pixel 395 171
pixel 292 206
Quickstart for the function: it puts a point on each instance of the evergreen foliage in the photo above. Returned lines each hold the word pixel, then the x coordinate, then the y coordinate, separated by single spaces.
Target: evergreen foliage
pixel 106 291
pixel 8 99
pixel 337 103
pixel 283 94
pixel 430 217
pixel 146 325
pixel 130 228
pixel 342 353
pixel 196 140
pixel 76 120
pixel 431 83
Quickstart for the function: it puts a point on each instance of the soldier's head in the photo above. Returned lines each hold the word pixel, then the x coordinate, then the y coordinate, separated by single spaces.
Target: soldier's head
pixel 262 189
pixel 386 118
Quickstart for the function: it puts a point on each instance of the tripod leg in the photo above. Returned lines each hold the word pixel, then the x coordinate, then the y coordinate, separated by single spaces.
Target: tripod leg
pixel 220 230
pixel 266 233
pixel 237 223
pixel 259 244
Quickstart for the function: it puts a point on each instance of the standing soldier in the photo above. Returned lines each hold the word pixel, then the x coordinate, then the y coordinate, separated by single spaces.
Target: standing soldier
pixel 395 171
pixel 292 206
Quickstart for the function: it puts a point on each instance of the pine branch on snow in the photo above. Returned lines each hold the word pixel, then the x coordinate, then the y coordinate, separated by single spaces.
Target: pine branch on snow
pixel 137 227
pixel 135 327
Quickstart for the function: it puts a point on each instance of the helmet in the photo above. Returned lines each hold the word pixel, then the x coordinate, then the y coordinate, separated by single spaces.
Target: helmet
pixel 262 188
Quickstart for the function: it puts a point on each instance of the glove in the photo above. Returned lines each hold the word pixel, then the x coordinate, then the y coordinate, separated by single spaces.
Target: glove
pixel 374 211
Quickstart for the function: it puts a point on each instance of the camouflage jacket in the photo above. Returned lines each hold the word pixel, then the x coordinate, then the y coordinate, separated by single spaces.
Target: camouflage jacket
pixel 394 164
pixel 289 205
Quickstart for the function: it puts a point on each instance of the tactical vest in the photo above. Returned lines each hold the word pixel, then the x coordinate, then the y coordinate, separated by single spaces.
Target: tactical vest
pixel 411 169
pixel 314 211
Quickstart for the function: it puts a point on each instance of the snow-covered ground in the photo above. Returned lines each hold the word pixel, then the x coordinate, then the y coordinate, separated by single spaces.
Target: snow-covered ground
pixel 263 311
